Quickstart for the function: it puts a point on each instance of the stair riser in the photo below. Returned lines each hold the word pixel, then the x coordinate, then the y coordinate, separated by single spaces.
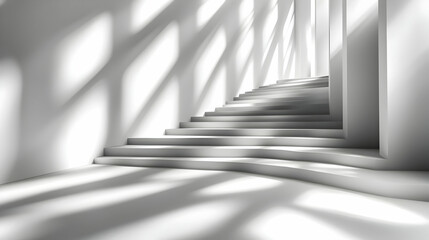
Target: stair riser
pixel 266 104
pixel 354 161
pixel 269 100
pixel 319 94
pixel 296 83
pixel 291 87
pixel 288 93
pixel 316 142
pixel 300 107
pixel 301 118
pixel 293 125
pixel 302 79
pixel 269 112
pixel 258 132
pixel 263 108
pixel 322 92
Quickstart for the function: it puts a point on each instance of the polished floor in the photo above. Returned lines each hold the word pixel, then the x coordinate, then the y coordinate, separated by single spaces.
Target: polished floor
pixel 111 202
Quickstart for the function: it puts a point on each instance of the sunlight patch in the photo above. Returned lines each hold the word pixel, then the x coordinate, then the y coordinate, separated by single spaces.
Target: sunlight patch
pixel 279 224
pixel 10 100
pixel 362 207
pixel 241 185
pixel 81 55
pixel 207 10
pixel 182 222
pixel 144 11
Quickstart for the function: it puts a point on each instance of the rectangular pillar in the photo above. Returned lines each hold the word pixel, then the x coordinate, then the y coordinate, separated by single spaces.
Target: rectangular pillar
pixel 304 38
pixel 336 59
pixel 360 73
pixel 404 83
pixel 322 37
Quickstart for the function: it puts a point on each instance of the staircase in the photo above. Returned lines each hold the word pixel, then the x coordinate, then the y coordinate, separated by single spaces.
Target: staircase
pixel 280 130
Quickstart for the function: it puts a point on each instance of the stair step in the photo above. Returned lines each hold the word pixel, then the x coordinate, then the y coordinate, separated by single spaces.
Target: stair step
pixel 408 185
pixel 317 93
pixel 288 92
pixel 300 125
pixel 289 86
pixel 365 158
pixel 302 79
pixel 268 100
pixel 291 107
pixel 255 108
pixel 266 118
pixel 264 104
pixel 295 83
pixel 269 112
pixel 240 141
pixel 325 133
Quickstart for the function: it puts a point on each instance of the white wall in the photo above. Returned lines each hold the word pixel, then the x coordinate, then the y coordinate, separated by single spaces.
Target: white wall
pixel 404 83
pixel 77 75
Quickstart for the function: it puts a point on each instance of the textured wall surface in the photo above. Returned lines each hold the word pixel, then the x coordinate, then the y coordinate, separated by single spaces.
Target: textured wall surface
pixel 78 75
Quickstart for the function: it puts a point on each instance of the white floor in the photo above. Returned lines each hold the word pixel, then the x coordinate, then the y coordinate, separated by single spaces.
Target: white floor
pixel 110 202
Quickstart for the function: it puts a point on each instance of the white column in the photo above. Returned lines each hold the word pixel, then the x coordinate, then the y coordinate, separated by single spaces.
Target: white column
pixel 322 37
pixel 360 73
pixel 336 59
pixel 404 82
pixel 304 38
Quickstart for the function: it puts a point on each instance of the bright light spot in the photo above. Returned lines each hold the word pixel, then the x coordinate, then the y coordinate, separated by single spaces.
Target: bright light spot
pixel 270 24
pixel 163 113
pixel 357 13
pixel 180 174
pixel 241 185
pixel 147 72
pixel 185 223
pixel 289 26
pixel 245 50
pixel 280 224
pixel 10 99
pixel 83 130
pixel 2 2
pixel 311 39
pixel 215 94
pixel 144 11
pixel 274 70
pixel 20 190
pixel 207 10
pixel 208 61
pixel 360 207
pixel 35 214
pixel 247 79
pixel 246 10
pixel 293 65
pixel 81 55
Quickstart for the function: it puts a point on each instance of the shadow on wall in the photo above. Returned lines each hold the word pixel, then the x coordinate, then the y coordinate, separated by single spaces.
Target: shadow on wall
pixel 76 76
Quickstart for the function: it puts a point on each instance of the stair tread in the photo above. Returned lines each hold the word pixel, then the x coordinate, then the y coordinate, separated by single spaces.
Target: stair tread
pixel 263 125
pixel 258 131
pixel 268 128
pixel 400 184
pixel 231 137
pixel 267 118
pixel 190 140
pixel 274 107
pixel 329 167
pixel 356 152
pixel 269 112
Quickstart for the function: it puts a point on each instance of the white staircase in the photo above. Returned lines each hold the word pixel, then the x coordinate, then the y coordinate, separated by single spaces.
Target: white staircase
pixel 281 130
